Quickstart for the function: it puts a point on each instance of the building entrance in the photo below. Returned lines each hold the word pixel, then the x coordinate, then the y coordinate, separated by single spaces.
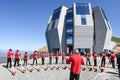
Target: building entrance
pixel 69 49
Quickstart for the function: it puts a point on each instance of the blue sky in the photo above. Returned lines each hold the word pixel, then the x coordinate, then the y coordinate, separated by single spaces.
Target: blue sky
pixel 23 22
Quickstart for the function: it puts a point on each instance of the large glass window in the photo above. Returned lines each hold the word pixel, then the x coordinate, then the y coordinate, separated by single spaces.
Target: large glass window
pixel 69 35
pixel 69 26
pixel 82 9
pixel 69 30
pixel 53 24
pixel 104 14
pixel 69 41
pixel 69 11
pixel 83 21
pixel 56 13
pixel 69 20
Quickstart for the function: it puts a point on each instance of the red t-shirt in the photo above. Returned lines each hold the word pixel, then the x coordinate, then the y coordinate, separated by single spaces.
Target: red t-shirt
pixel 95 56
pixel 25 56
pixel 17 55
pixel 103 56
pixel 88 55
pixel 76 61
pixel 35 55
pixel 51 55
pixel 9 54
pixel 57 55
pixel 112 57
pixel 43 56
pixel 63 55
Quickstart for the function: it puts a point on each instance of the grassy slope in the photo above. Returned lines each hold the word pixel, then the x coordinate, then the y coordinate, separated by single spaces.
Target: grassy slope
pixel 116 39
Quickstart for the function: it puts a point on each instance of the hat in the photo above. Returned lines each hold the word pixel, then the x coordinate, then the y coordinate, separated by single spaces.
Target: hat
pixel 76 51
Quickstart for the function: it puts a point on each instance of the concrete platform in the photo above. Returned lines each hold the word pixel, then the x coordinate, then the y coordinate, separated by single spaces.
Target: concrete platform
pixel 60 74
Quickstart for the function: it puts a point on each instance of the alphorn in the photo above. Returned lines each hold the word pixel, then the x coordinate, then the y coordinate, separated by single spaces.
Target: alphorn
pixel 13 71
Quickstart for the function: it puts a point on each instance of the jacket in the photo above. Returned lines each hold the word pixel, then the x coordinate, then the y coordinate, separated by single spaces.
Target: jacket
pixel 76 61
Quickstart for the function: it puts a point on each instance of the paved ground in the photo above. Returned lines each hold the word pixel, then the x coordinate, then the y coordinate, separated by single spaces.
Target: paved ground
pixel 60 74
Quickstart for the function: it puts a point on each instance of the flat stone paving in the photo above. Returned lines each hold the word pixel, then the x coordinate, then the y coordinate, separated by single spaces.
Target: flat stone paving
pixel 61 74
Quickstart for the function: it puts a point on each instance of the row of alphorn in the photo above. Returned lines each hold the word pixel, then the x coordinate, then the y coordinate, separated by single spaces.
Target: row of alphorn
pixel 95 69
pixel 31 69
pixel 91 68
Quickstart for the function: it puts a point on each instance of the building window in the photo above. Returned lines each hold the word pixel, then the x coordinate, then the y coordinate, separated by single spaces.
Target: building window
pixel 69 20
pixel 53 24
pixel 56 13
pixel 69 35
pixel 69 41
pixel 83 21
pixel 69 11
pixel 82 9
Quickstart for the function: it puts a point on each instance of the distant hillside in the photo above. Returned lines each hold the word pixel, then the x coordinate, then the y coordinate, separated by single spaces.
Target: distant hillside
pixel 116 39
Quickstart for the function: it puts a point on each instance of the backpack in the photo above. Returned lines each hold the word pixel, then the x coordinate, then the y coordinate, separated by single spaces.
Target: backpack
pixel 118 58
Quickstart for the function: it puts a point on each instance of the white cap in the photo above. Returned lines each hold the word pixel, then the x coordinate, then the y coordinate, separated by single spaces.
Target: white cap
pixel 76 50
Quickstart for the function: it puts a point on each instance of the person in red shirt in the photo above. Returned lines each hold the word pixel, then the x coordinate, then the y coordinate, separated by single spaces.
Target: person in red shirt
pixel 43 58
pixel 95 55
pixel 50 58
pixel 9 58
pixel 112 59
pixel 63 57
pixel 57 57
pixel 17 58
pixel 35 56
pixel 25 58
pixel 88 58
pixel 76 61
pixel 103 59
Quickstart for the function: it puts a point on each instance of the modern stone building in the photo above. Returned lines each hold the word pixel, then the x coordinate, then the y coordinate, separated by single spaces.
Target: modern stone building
pixel 79 26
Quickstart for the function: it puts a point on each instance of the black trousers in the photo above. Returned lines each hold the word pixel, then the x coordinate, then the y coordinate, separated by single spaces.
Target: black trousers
pixel 113 63
pixel 25 62
pixel 103 63
pixel 16 61
pixel 88 61
pixel 43 61
pixel 63 61
pixel 119 70
pixel 56 60
pixel 74 76
pixel 95 62
pixel 34 59
pixel 9 61
pixel 50 60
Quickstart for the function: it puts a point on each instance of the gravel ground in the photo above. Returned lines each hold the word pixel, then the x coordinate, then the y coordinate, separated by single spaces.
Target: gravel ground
pixel 61 74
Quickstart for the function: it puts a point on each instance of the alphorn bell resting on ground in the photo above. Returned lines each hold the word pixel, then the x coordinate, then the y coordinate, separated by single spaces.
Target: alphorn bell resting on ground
pixel 76 61
pixel 52 67
pixel 13 71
